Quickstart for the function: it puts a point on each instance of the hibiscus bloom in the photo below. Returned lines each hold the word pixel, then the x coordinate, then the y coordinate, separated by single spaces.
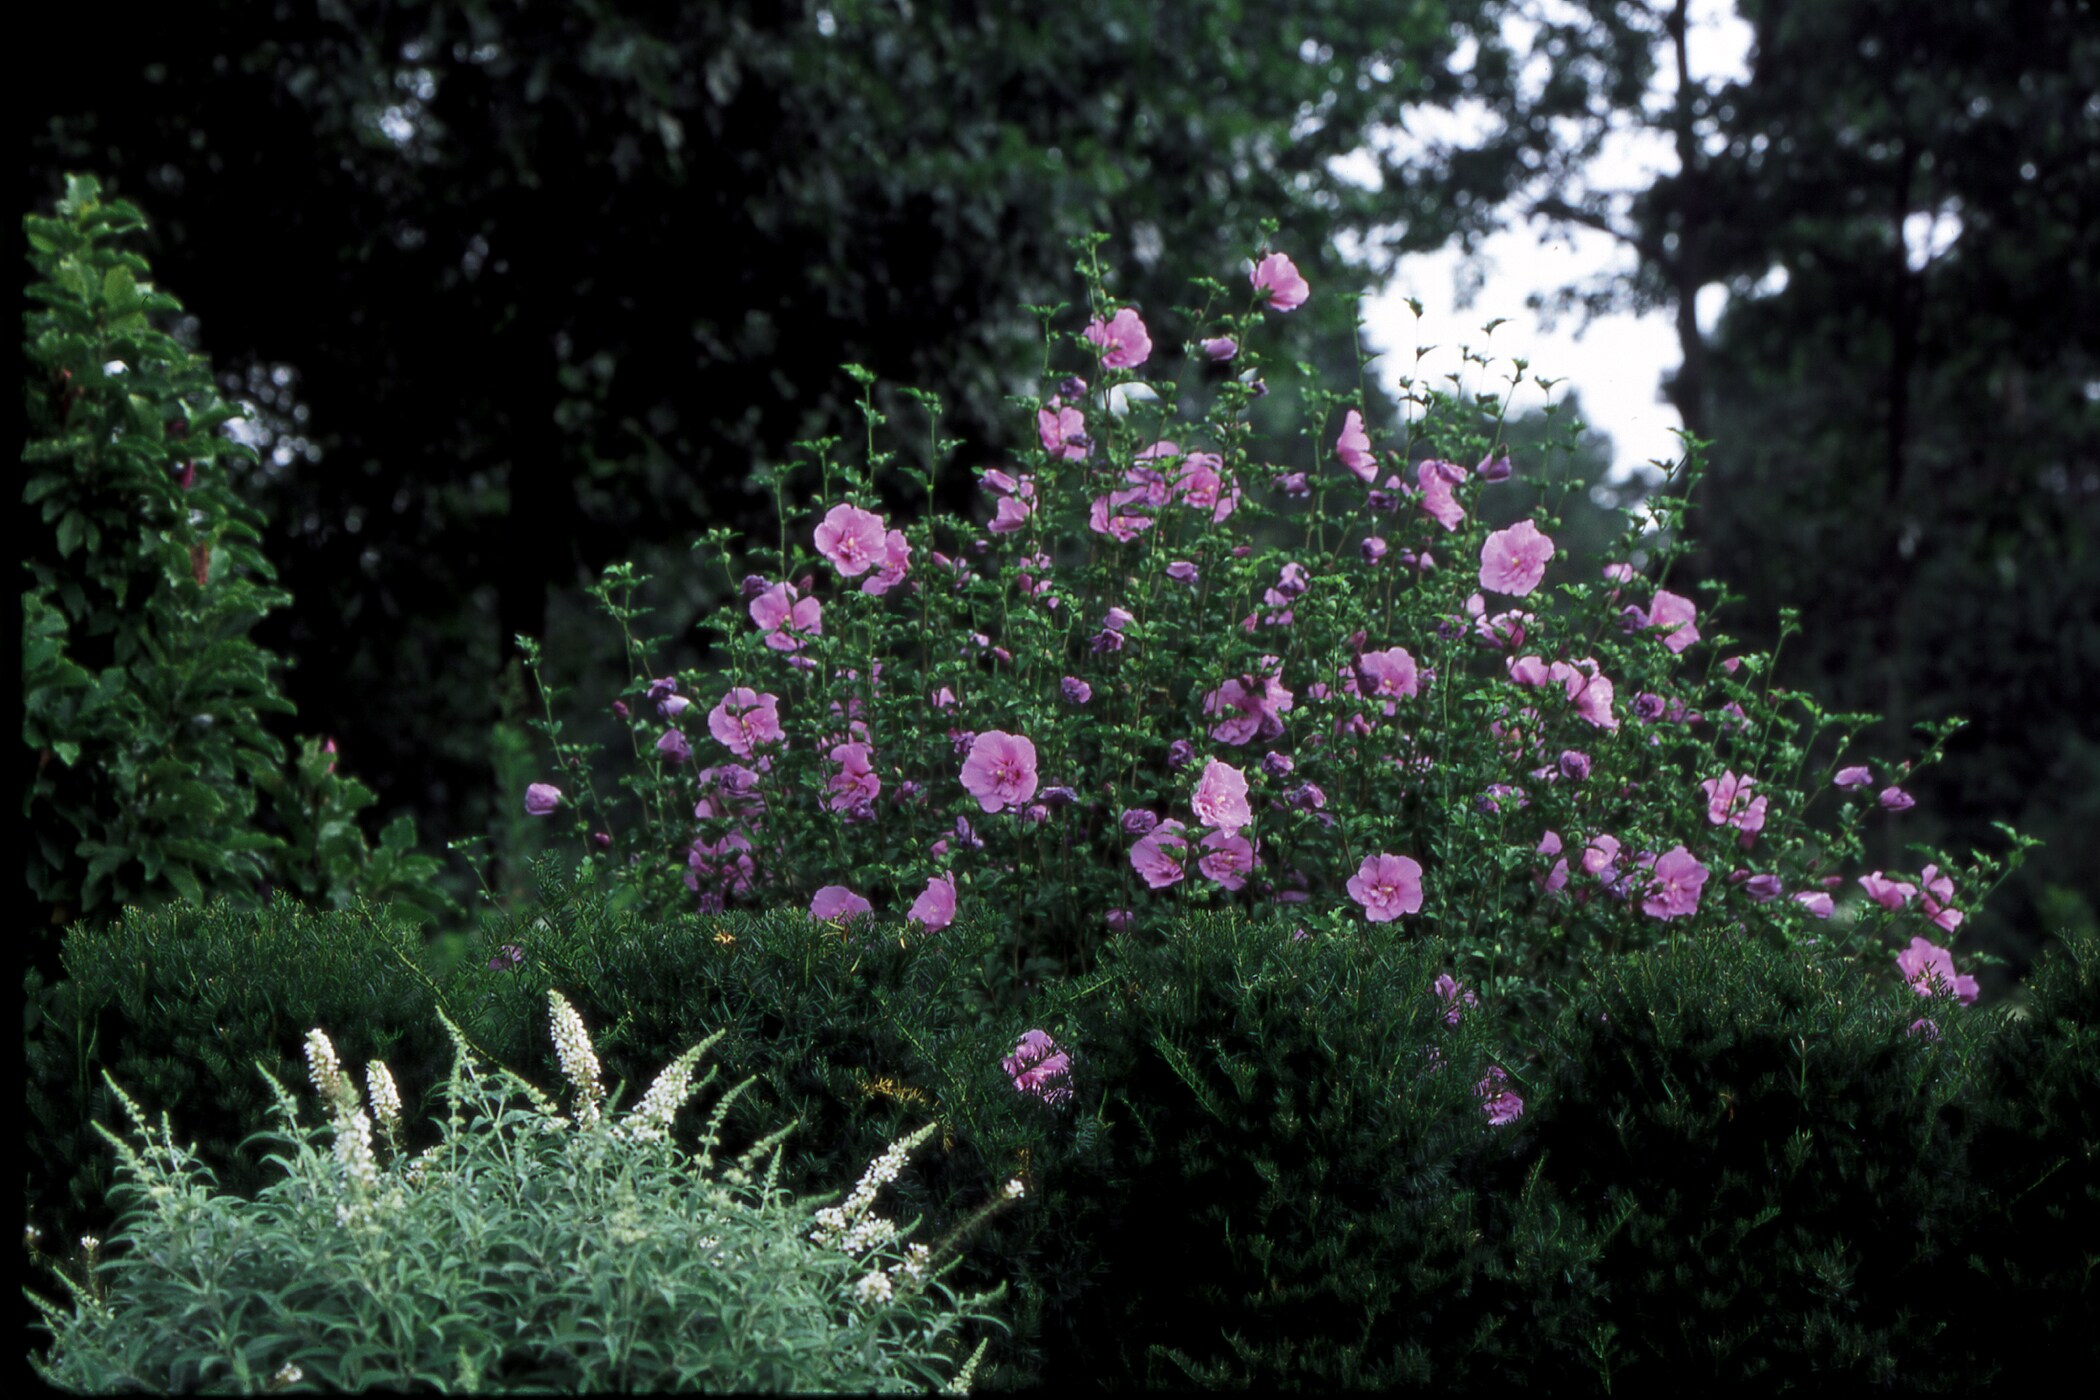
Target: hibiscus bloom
pixel 1000 771
pixel 1158 854
pixel 1387 886
pixel 1124 339
pixel 1929 969
pixel 934 909
pixel 1277 276
pixel 1221 797
pixel 836 903
pixel 1673 890
pixel 852 539
pixel 744 719
pixel 786 617
pixel 1354 448
pixel 1513 561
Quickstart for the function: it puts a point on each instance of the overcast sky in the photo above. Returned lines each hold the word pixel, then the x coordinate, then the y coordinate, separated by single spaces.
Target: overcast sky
pixel 1618 363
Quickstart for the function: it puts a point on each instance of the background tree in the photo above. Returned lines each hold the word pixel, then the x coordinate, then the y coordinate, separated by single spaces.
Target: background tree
pixel 1903 202
pixel 523 289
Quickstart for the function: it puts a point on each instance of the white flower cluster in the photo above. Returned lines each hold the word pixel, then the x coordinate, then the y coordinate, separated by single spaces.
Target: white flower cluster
pixel 386 1098
pixel 326 1070
pixel 650 1120
pixel 579 1062
pixel 873 1288
pixel 851 1228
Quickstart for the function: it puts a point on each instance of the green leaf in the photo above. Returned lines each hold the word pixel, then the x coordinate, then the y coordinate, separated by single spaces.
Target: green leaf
pixel 120 291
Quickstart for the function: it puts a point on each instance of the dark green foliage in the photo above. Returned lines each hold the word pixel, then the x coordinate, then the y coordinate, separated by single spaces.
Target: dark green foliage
pixel 1289 1190
pixel 1782 1160
pixel 145 698
pixel 179 1005
pixel 2028 1270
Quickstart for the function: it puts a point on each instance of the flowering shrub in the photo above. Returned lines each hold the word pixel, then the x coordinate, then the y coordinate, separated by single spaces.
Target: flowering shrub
pixel 1174 667
pixel 531 1249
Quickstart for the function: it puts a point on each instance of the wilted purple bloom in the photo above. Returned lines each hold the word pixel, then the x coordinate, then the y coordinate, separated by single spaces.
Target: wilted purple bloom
pixel 507 957
pixel 1220 348
pixel 1853 778
pixel 752 586
pixel 1307 797
pixel 1275 764
pixel 541 799
pixel 1575 764
pixel 1181 753
pixel 674 747
pixel 620 709
pixel 1136 821
pixel 1493 467
pixel 1763 888
pixel 662 687
pixel 1071 387
pixel 1895 799
pixel 1076 691
pixel 1117 920
pixel 966 838
pixel 1294 484
pixel 1182 571
pixel 1373 549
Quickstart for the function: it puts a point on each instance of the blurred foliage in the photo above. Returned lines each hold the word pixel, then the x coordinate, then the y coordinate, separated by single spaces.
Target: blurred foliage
pixel 556 280
pixel 144 694
pixel 1903 202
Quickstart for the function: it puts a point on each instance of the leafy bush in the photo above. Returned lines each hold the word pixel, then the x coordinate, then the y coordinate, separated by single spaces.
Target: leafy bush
pixel 527 1250
pixel 1776 1145
pixel 145 701
pixel 180 1003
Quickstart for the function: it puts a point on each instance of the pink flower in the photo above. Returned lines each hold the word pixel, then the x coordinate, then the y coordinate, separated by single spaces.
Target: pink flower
pixel 1437 499
pixel 1591 692
pixel 1220 348
pixel 1600 855
pixel 1158 854
pixel 725 864
pixel 1000 771
pixel 1556 879
pixel 1124 338
pixel 1889 894
pixel 1012 514
pixel 935 906
pixel 1389 673
pixel 744 719
pixel 1221 797
pixel 1354 448
pixel 1230 856
pixel 855 786
pixel 1107 515
pixel 1063 432
pixel 891 568
pixel 852 539
pixel 1728 802
pixel 541 799
pixel 1200 483
pixel 836 903
pixel 1674 614
pixel 1455 996
pixel 1513 561
pixel 1037 1066
pixel 1497 1101
pixel 1278 276
pixel 1932 899
pixel 673 746
pixel 786 617
pixel 1852 778
pixel 1929 969
pixel 1815 902
pixel 1387 886
pixel 1252 706
pixel 1674 889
